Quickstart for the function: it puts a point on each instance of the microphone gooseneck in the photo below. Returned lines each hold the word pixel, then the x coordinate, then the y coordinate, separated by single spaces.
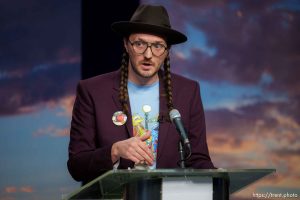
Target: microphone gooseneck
pixel 176 120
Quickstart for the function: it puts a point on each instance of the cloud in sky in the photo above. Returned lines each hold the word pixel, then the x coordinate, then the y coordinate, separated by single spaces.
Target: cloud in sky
pixel 33 32
pixel 256 49
pixel 47 83
pixel 257 136
pixel 66 104
pixel 253 42
pixel 52 131
pixel 63 108
pixel 40 53
pixel 26 189
pixel 15 189
pixel 39 69
pixel 10 189
pixel 17 192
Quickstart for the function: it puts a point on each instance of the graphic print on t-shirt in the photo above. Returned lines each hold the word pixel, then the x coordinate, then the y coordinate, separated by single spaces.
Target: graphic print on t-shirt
pixel 144 106
pixel 147 124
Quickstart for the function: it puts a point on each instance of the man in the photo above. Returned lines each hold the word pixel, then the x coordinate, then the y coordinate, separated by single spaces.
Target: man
pixel 121 119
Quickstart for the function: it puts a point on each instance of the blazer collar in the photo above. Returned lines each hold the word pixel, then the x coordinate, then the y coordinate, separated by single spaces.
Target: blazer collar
pixel 164 122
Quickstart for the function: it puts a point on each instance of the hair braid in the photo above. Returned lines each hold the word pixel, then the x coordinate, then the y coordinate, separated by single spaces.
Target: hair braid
pixel 167 83
pixel 123 94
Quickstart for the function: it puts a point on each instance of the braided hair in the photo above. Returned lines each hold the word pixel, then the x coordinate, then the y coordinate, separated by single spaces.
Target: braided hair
pixel 123 94
pixel 167 83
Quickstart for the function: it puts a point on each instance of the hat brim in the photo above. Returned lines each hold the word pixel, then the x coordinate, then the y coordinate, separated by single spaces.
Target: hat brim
pixel 125 28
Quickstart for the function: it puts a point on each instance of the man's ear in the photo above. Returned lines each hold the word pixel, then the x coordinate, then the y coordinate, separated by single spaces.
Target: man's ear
pixel 125 42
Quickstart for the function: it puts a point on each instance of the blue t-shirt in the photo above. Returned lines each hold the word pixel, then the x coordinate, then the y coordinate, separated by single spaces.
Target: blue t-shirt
pixel 144 103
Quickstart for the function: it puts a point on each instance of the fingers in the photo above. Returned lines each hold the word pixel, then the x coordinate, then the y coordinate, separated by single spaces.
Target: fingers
pixel 145 151
pixel 136 150
pixel 149 154
pixel 141 151
pixel 134 155
pixel 145 136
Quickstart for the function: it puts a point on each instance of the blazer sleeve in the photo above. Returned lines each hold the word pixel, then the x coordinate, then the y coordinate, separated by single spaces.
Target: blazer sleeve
pixel 86 159
pixel 197 133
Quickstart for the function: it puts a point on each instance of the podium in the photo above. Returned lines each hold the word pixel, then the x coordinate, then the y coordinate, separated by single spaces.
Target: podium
pixel 165 184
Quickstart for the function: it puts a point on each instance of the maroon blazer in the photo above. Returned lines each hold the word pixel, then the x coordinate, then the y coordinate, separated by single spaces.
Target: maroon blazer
pixel 93 131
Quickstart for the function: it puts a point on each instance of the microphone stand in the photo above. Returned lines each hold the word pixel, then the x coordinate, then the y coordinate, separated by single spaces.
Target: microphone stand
pixel 181 154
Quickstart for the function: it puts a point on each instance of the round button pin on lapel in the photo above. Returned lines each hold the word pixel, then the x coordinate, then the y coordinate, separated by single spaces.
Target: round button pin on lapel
pixel 119 118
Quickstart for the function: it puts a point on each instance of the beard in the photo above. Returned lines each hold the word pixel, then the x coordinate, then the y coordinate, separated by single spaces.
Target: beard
pixel 143 74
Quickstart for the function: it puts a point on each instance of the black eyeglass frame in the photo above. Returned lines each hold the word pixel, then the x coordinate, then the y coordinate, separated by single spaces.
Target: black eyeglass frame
pixel 149 44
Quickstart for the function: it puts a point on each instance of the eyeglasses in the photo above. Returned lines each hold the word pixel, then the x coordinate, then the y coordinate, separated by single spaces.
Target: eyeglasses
pixel 140 47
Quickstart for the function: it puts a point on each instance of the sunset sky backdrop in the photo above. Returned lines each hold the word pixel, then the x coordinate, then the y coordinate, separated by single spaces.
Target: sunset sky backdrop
pixel 245 55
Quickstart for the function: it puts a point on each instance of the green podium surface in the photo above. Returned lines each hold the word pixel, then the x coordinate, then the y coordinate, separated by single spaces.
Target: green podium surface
pixel 112 184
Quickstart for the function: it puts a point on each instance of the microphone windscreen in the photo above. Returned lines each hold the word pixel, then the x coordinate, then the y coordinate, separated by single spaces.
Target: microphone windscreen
pixel 174 113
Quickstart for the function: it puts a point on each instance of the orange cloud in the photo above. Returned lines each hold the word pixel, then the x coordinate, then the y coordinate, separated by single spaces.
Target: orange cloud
pixel 14 189
pixel 52 131
pixel 10 189
pixel 66 104
pixel 26 189
pixel 62 132
pixel 268 139
pixel 66 56
pixel 29 109
pixel 283 120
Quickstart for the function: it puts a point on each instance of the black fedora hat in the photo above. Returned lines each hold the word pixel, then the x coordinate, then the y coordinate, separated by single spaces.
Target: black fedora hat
pixel 150 19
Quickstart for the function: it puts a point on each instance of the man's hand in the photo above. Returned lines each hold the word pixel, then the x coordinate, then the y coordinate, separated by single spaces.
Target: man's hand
pixel 134 149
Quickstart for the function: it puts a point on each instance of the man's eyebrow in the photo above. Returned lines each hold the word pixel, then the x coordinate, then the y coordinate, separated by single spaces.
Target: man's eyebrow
pixel 158 41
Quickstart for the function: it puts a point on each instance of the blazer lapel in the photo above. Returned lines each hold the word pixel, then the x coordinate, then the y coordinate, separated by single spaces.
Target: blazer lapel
pixel 164 122
pixel 115 97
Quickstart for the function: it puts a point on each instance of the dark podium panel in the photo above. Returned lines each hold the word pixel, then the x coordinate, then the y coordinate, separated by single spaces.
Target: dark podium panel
pixel 156 184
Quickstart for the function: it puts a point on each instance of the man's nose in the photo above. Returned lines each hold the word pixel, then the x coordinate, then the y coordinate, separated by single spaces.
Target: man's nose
pixel 148 52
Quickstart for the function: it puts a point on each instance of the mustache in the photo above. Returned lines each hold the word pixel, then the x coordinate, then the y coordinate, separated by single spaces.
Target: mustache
pixel 146 62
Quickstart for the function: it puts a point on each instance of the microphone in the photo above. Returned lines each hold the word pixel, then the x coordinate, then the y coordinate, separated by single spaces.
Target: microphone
pixel 176 119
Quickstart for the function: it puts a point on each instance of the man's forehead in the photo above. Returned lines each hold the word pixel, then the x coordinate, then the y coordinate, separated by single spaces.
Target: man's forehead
pixel 147 37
